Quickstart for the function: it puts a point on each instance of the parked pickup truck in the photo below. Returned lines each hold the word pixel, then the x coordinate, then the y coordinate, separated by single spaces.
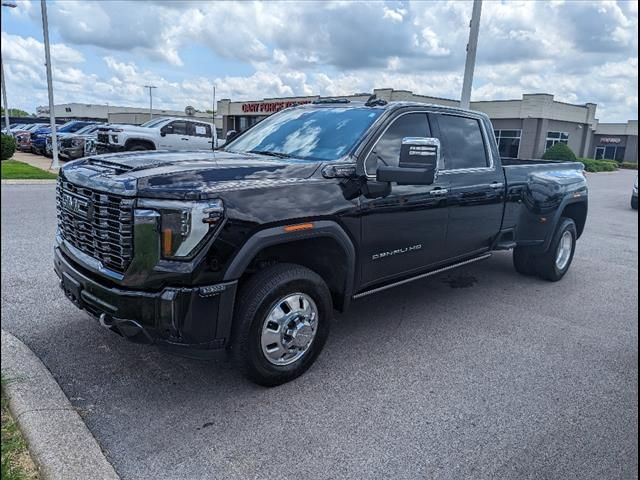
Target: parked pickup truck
pixel 252 247
pixel 157 134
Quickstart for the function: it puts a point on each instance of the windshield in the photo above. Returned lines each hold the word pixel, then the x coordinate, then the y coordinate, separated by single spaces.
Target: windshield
pixel 87 129
pixel 68 127
pixel 153 122
pixel 311 134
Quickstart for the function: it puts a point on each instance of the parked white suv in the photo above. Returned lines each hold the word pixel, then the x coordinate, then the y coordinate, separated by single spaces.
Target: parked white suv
pixel 158 134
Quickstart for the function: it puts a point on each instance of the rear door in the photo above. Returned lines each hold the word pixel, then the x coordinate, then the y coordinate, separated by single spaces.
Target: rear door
pixel 200 136
pixel 476 186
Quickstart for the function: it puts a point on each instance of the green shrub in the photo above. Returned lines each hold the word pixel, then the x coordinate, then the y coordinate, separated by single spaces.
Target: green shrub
pixel 591 165
pixel 629 165
pixel 560 151
pixel 7 147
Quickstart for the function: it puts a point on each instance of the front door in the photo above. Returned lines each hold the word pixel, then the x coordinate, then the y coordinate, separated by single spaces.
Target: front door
pixel 405 231
pixel 476 185
pixel 175 136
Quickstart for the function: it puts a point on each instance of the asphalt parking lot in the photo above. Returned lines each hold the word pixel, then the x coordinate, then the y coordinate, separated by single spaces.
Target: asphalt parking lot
pixel 478 373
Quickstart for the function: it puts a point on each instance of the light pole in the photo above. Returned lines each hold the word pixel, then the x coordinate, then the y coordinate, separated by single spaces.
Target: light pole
pixel 150 87
pixel 4 86
pixel 47 58
pixel 470 63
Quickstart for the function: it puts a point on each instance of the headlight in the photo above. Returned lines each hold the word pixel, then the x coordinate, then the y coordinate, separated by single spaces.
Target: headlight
pixel 184 225
pixel 114 138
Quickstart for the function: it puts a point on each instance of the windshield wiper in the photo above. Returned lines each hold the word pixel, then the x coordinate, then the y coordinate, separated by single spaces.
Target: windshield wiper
pixel 271 154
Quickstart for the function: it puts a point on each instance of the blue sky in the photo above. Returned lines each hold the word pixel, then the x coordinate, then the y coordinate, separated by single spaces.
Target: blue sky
pixel 104 52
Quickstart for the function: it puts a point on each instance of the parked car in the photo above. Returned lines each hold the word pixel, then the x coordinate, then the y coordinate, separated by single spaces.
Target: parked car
pixel 23 137
pixel 157 134
pixel 61 136
pixel 252 247
pixel 634 195
pixel 39 137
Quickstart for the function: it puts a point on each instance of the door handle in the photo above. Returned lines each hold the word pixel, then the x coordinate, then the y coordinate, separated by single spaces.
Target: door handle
pixel 496 185
pixel 185 139
pixel 438 191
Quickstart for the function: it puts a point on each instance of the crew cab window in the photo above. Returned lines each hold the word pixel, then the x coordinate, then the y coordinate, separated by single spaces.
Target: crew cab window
pixel 200 130
pixel 461 142
pixel 177 128
pixel 386 151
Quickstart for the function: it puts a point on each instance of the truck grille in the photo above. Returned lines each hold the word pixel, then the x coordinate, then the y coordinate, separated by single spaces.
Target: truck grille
pixel 96 223
pixel 103 137
pixel 66 143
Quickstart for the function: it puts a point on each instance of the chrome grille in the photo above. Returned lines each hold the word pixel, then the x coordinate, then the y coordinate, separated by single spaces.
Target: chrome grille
pixel 96 223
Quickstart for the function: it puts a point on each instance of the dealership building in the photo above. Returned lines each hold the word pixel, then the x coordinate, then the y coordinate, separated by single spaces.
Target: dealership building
pixel 115 114
pixel 524 128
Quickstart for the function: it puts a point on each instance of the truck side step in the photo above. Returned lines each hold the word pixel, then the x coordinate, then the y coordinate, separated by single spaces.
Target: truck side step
pixel 422 275
pixel 505 245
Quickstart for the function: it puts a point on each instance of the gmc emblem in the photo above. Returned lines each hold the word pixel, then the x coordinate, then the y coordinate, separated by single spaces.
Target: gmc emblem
pixel 76 205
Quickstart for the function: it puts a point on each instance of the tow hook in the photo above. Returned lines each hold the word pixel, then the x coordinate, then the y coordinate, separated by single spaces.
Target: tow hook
pixel 104 319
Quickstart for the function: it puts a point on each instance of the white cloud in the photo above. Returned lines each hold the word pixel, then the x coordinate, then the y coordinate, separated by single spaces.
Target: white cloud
pixel 578 51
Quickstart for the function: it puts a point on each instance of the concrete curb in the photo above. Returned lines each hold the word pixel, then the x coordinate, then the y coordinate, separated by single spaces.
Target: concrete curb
pixel 28 182
pixel 59 441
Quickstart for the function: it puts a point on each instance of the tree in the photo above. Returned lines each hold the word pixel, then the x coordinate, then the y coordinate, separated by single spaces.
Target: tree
pixel 15 112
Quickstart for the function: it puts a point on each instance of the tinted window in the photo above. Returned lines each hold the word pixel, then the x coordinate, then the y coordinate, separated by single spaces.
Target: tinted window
pixel 462 144
pixel 387 150
pixel 324 133
pixel 179 127
pixel 201 130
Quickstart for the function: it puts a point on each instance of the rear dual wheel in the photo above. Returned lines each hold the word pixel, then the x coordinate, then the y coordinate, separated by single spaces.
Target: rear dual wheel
pixel 553 264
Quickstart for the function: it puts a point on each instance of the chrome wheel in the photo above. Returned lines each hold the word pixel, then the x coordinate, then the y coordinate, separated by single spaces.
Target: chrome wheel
pixel 564 250
pixel 289 329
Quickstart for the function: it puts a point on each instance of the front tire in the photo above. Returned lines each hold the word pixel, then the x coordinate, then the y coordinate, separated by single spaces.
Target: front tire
pixel 281 324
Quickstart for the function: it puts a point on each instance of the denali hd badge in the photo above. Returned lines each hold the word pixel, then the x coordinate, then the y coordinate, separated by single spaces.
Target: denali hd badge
pixel 397 251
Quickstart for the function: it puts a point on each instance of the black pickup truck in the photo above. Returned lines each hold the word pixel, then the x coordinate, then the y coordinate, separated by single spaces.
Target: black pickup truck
pixel 252 247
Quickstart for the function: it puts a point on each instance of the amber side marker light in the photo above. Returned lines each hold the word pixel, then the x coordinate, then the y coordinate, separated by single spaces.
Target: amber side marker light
pixel 298 227
pixel 166 242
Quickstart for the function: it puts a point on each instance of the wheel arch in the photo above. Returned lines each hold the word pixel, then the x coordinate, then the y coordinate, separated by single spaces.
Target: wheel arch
pixel 326 249
pixel 139 141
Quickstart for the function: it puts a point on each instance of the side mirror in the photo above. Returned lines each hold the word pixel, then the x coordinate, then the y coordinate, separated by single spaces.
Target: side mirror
pixel 418 163
pixel 163 133
pixel 231 134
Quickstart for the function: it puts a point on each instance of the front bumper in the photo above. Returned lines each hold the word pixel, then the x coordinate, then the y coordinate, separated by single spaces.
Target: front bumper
pixel 72 152
pixel 185 320
pixel 108 148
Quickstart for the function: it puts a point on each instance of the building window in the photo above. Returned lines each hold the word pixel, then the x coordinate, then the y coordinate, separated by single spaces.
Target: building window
pixel 508 142
pixel 556 137
pixel 610 153
pixel 67 109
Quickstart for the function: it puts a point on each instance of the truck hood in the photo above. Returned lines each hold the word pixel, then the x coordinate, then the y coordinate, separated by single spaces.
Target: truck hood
pixel 184 175
pixel 129 129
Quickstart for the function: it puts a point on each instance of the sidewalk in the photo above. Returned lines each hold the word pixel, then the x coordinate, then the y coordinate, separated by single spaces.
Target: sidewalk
pixel 38 161
pixel 59 442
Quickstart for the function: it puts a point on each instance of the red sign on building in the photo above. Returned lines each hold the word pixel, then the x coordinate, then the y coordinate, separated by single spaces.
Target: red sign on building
pixel 270 107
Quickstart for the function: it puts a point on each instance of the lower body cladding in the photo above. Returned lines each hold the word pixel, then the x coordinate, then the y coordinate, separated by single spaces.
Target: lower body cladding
pixel 188 321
